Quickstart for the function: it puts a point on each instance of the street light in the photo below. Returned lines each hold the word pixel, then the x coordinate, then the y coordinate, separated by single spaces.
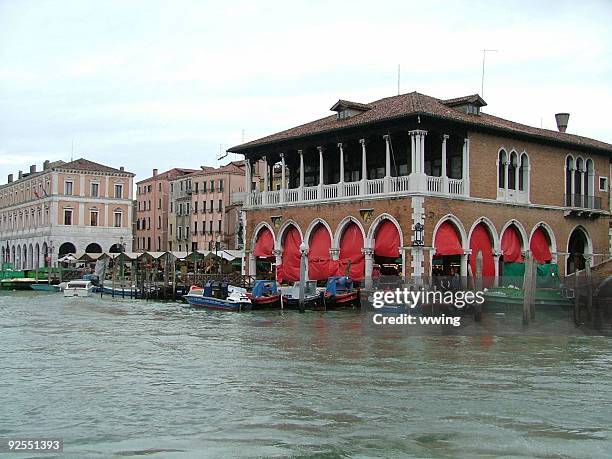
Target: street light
pixel 418 234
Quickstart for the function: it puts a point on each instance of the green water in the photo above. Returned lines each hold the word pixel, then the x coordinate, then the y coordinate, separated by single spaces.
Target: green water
pixel 130 378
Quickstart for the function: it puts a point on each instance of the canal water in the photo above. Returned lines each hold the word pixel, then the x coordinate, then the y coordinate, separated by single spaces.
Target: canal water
pixel 126 378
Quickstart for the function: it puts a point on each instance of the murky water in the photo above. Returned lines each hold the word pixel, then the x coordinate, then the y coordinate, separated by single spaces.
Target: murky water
pixel 128 378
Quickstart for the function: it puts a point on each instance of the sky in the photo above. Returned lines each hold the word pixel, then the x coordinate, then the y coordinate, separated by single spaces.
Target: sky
pixel 147 84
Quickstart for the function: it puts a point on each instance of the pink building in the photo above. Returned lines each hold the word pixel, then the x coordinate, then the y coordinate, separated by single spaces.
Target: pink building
pixel 152 205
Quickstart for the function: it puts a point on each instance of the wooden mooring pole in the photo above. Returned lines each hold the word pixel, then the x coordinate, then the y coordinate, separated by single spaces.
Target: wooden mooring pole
pixel 529 290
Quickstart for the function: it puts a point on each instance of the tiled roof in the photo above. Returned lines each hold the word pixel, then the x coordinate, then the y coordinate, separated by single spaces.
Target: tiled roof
pixel 83 164
pixel 234 167
pixel 170 174
pixel 413 104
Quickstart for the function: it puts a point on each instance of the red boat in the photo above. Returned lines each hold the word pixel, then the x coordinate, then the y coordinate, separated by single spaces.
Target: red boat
pixel 265 295
pixel 340 292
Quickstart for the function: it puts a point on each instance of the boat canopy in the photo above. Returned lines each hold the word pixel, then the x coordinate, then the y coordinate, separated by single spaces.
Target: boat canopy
pixel 263 288
pixel 338 284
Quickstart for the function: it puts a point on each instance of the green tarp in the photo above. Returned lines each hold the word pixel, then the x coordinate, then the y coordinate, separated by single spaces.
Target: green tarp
pixel 547 275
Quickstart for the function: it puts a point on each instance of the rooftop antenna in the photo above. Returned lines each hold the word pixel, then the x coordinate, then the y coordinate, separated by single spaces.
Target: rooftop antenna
pixel 222 154
pixel 484 54
pixel 398 79
pixel 243 136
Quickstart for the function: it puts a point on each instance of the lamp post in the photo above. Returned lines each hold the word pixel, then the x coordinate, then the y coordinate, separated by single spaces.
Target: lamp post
pixel 303 251
pixel 417 239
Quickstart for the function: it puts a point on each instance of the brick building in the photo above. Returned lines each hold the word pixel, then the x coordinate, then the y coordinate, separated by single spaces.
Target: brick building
pixel 75 207
pixel 152 200
pixel 362 181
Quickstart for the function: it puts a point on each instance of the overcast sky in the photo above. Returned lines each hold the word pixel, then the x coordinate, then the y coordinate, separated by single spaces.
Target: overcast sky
pixel 164 84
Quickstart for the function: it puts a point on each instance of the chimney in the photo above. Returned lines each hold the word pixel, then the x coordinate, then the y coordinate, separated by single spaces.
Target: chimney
pixel 20 175
pixel 10 178
pixel 562 119
pixel 121 168
pixel 46 165
pixel 155 172
pixel 33 169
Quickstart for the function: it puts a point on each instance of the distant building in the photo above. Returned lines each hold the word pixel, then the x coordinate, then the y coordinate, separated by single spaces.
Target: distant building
pixel 74 207
pixel 152 205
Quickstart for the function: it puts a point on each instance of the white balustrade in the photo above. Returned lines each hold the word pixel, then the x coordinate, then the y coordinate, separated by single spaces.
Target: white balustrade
pixel 330 191
pixel 273 197
pixel 375 186
pixel 310 193
pixel 400 184
pixel 351 189
pixel 292 195
pixel 455 187
pixel 434 184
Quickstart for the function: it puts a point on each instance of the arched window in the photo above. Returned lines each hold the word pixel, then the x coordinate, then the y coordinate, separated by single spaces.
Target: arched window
pixel 524 172
pixel 512 171
pixel 501 169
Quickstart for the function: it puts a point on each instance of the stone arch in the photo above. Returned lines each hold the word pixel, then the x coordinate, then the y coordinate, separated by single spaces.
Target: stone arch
pixel 94 247
pixel 37 255
pixel 312 226
pixel 551 236
pixel 340 230
pixel 24 257
pixel 115 248
pixel 378 221
pixel 490 227
pixel 278 242
pixel 66 248
pixel 30 264
pixel 577 231
pixel 258 229
pixel 45 253
pixel 457 224
pixel 521 229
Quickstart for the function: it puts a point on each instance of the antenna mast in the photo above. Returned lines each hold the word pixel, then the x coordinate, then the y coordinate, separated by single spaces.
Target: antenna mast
pixel 398 79
pixel 484 54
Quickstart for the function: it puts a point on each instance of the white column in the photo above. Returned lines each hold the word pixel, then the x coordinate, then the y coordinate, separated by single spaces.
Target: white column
pixel 320 189
pixel 387 182
pixel 570 191
pixel 364 166
pixel 463 269
pixel 341 181
pixel 247 182
pixel 466 167
pixel 412 154
pixel 301 189
pixel 264 197
pixel 282 187
pixel 252 264
pixel 496 256
pixel 584 188
pixel 368 253
pixel 334 253
pixel 418 181
pixel 444 173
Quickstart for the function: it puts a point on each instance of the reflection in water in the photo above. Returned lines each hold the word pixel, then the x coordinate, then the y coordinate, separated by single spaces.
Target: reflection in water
pixel 137 378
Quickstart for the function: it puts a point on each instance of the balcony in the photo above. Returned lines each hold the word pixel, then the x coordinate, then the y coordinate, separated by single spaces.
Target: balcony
pixel 346 191
pixel 583 203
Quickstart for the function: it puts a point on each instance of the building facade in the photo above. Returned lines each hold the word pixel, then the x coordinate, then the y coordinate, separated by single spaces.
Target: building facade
pixel 426 185
pixel 152 210
pixel 75 207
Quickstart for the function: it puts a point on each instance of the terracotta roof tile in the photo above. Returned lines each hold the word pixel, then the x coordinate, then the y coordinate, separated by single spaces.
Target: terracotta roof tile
pixel 415 103
pixel 83 164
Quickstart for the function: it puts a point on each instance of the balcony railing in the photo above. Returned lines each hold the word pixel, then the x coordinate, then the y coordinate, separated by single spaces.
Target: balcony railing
pixel 349 190
pixel 583 202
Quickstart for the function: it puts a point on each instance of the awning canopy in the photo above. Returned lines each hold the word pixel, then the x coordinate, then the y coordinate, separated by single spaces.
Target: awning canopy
pixel 318 254
pixel 539 246
pixel 289 270
pixel 264 244
pixel 481 242
pixel 447 240
pixel 351 244
pixel 511 245
pixel 387 241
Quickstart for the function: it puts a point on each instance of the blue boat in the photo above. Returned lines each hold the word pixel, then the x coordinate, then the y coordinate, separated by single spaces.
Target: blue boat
pixel 265 294
pixel 340 291
pixel 218 296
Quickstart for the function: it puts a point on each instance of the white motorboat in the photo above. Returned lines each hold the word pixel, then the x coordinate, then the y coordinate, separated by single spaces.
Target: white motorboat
pixel 78 288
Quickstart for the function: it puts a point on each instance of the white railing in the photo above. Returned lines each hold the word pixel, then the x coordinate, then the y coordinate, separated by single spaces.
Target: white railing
pixel 292 195
pixel 348 190
pixel 352 189
pixel 399 184
pixel 434 184
pixel 455 186
pixel 330 191
pixel 375 186
pixel 310 193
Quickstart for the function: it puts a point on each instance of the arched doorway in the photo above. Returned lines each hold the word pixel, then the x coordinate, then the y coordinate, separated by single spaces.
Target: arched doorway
pixel 577 247
pixel 115 248
pixel 320 265
pixel 481 241
pixel 540 245
pixel 66 248
pixel 93 248
pixel 352 260
pixel 24 259
pixel 387 256
pixel 262 252
pixel 512 262
pixel 448 249
pixel 45 252
pixel 289 270
pixel 37 256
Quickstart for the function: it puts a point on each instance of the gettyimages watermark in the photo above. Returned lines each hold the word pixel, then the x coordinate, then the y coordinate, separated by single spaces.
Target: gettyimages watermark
pixel 400 306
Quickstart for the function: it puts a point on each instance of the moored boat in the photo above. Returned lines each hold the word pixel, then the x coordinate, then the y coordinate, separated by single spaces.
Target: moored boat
pixel 340 292
pixel 218 296
pixel 265 294
pixel 78 288
pixel 45 287
pixel 291 295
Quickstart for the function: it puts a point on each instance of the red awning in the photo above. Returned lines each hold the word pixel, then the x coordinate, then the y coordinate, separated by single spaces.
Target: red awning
pixel 318 254
pixel 290 269
pixel 447 240
pixel 351 244
pixel 511 245
pixel 481 242
pixel 539 246
pixel 387 240
pixel 264 244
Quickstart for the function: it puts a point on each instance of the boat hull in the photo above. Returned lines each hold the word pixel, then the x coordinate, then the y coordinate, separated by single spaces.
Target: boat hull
pixel 342 300
pixel 78 292
pixel 294 303
pixel 216 304
pixel 45 288
pixel 266 302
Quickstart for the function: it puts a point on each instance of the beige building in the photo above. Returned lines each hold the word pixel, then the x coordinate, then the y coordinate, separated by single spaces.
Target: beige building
pixel 74 207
